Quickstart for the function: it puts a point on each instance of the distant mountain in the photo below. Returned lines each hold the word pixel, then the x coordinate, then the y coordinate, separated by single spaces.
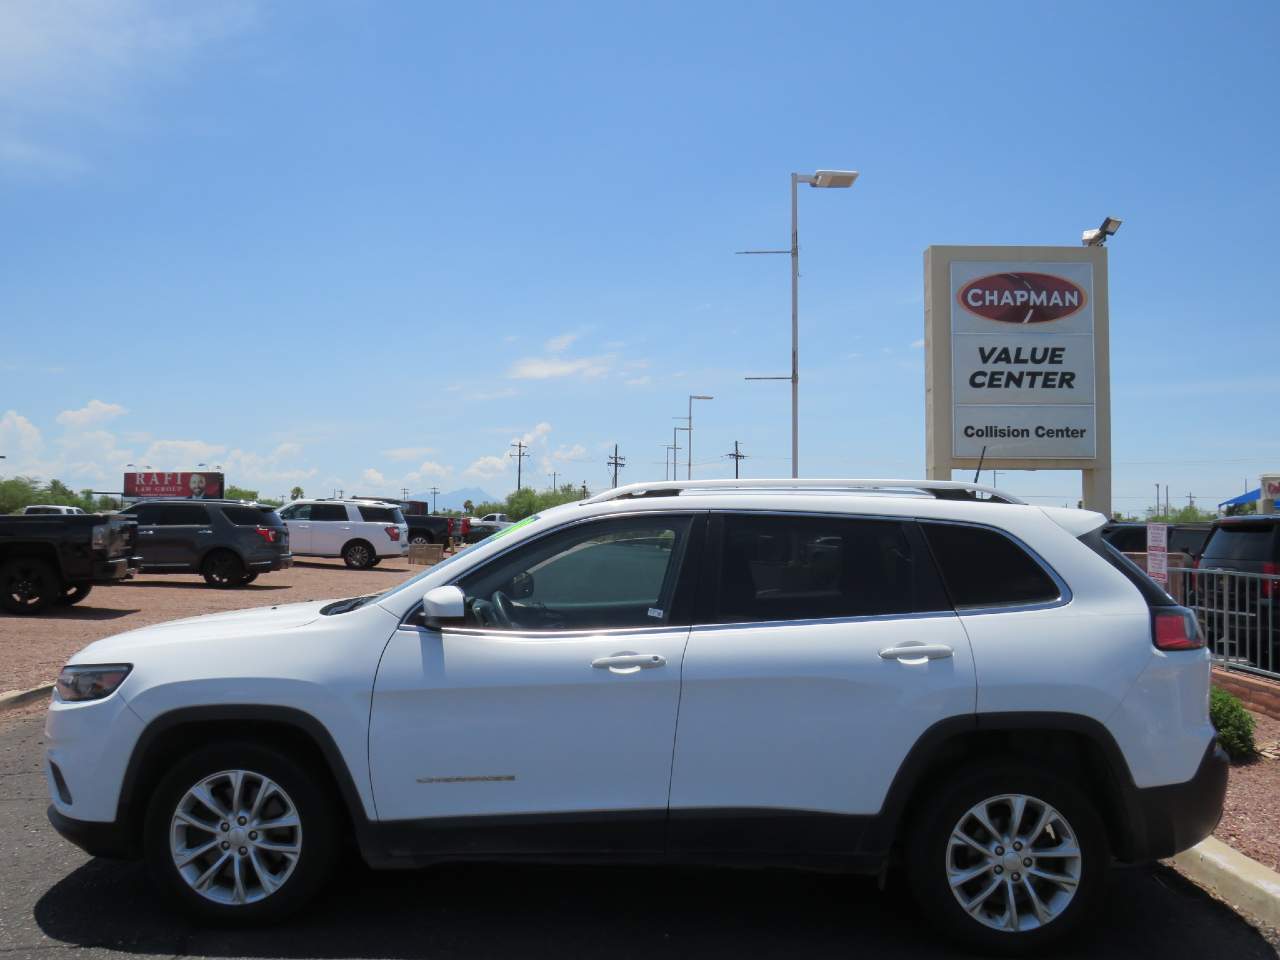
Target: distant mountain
pixel 454 499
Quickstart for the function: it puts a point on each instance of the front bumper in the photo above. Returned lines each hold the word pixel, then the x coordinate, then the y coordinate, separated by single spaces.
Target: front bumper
pixel 1178 816
pixel 96 838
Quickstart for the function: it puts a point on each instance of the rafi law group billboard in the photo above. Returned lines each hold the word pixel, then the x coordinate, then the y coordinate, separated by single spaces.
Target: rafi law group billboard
pixel 1022 360
pixel 194 485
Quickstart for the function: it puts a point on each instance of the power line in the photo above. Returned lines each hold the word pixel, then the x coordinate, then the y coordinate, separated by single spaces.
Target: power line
pixel 519 455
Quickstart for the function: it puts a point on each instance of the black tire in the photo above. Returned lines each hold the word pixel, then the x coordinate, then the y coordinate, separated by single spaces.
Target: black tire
pixel 421 538
pixel 930 855
pixel 359 555
pixel 312 803
pixel 73 593
pixel 375 561
pixel 28 586
pixel 223 569
pixel 248 578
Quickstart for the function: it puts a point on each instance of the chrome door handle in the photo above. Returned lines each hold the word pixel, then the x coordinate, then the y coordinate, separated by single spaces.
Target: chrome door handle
pixel 204 531
pixel 629 662
pixel 146 533
pixel 917 651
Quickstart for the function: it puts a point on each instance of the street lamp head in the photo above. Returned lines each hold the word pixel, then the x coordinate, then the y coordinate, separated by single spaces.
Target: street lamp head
pixel 700 396
pixel 1098 236
pixel 834 178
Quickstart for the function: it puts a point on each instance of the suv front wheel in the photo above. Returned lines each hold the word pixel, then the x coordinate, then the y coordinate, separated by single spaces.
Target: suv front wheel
pixel 1008 859
pixel 239 833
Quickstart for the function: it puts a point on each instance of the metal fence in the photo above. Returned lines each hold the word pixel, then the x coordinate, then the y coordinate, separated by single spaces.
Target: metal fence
pixel 1237 615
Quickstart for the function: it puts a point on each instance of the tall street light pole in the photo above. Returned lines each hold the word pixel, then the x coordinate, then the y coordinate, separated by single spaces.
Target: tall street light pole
pixel 825 179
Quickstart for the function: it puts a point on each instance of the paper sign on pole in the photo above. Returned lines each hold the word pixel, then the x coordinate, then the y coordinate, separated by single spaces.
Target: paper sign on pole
pixel 1158 553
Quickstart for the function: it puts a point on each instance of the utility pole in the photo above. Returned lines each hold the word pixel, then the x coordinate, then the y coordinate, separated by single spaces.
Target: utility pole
pixel 738 457
pixel 519 456
pixel 672 452
pixel 553 481
pixel 584 490
pixel 616 461
pixel 434 493
pixel 1157 513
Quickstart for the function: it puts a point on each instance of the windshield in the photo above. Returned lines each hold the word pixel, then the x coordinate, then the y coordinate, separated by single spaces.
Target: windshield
pixel 505 532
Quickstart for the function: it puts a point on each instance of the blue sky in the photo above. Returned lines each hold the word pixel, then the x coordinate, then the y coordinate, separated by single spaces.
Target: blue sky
pixel 367 245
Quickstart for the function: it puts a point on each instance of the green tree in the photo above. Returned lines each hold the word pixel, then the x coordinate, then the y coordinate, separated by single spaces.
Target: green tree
pixel 1187 514
pixel 296 493
pixel 239 493
pixel 468 506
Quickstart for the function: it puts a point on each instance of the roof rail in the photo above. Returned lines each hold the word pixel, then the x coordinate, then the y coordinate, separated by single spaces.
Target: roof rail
pixel 939 489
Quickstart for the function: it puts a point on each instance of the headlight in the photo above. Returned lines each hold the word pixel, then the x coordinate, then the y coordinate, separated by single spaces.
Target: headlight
pixel 91 682
pixel 101 534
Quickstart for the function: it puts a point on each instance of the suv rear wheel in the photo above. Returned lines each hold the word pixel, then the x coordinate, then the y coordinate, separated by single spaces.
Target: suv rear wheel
pixel 239 833
pixel 222 569
pixel 1008 859
pixel 358 555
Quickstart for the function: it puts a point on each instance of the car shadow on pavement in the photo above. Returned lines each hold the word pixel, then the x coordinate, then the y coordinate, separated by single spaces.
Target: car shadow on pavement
pixel 529 911
pixel 313 565
pixel 84 612
pixel 195 585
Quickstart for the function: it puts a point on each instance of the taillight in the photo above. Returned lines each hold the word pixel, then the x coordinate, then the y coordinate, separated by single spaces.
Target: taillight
pixel 393 533
pixel 1175 628
pixel 267 533
pixel 1269 569
pixel 466 525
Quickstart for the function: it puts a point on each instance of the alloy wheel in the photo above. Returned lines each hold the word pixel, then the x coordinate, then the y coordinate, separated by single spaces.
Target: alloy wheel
pixel 235 837
pixel 1013 862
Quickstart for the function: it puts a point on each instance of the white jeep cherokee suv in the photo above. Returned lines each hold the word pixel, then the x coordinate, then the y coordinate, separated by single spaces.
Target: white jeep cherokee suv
pixel 361 532
pixel 837 674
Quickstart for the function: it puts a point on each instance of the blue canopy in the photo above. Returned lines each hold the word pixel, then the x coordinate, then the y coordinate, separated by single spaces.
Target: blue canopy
pixel 1249 497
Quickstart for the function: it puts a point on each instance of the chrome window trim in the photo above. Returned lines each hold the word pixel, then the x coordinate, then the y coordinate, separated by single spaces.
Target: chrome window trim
pixel 820 621
pixel 546 634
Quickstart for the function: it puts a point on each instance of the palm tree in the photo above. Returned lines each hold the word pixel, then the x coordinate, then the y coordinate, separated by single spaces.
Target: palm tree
pixel 468 506
pixel 296 493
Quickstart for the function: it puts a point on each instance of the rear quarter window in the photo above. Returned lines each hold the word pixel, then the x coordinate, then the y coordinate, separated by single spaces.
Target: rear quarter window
pixel 251 516
pixel 1242 541
pixel 381 514
pixel 984 568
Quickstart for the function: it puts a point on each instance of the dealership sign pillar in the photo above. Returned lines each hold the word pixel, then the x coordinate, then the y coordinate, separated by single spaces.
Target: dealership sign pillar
pixel 1016 363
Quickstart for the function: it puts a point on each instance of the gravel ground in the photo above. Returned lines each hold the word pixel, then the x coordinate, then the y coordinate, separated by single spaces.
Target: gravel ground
pixel 33 649
pixel 1251 816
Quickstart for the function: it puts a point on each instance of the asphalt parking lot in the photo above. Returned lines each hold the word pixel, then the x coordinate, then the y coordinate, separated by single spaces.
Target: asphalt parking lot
pixel 54 898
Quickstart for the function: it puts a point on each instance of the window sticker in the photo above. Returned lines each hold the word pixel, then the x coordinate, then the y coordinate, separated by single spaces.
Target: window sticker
pixel 655 612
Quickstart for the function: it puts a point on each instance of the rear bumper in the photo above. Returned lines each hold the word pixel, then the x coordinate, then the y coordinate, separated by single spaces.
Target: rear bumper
pixel 98 839
pixel 1178 816
pixel 121 568
pixel 273 563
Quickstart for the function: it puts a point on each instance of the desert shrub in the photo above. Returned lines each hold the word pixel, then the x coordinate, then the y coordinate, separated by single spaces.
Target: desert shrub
pixel 1234 724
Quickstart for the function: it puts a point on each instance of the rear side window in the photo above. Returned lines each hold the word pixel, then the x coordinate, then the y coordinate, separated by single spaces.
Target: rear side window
pixel 251 516
pixel 381 514
pixel 985 568
pixel 328 511
pixel 802 568
pixel 183 514
pixel 1127 539
pixel 1242 541
pixel 1149 589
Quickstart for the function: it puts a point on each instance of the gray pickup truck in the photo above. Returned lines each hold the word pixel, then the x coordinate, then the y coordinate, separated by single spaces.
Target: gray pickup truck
pixel 55 560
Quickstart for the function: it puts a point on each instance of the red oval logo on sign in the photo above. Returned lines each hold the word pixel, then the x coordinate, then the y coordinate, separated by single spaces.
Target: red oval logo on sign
pixel 1022 297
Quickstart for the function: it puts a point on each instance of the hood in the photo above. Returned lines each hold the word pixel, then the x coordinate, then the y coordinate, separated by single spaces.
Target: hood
pixel 214 626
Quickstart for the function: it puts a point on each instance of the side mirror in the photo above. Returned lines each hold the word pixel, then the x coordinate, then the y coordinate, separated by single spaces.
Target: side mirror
pixel 442 606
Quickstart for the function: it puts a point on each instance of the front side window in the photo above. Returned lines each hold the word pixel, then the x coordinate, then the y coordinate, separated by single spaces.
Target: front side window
pixel 801 568
pixel 299 511
pixel 146 513
pixel 607 575
pixel 328 511
pixel 984 568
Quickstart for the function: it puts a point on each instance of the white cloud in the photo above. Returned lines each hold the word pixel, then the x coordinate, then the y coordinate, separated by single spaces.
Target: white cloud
pixel 639 381
pixel 95 411
pixel 19 438
pixel 917 344
pixel 181 454
pixel 486 468
pixel 372 476
pixel 565 453
pixel 65 61
pixel 537 434
pixel 428 470
pixel 547 368
pixel 561 343
pixel 407 453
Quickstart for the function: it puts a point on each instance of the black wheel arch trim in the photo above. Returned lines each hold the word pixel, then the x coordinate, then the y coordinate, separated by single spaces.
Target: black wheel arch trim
pixel 919 764
pixel 130 807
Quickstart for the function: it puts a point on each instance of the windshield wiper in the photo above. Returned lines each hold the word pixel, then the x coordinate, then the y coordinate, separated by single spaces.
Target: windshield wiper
pixel 346 606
